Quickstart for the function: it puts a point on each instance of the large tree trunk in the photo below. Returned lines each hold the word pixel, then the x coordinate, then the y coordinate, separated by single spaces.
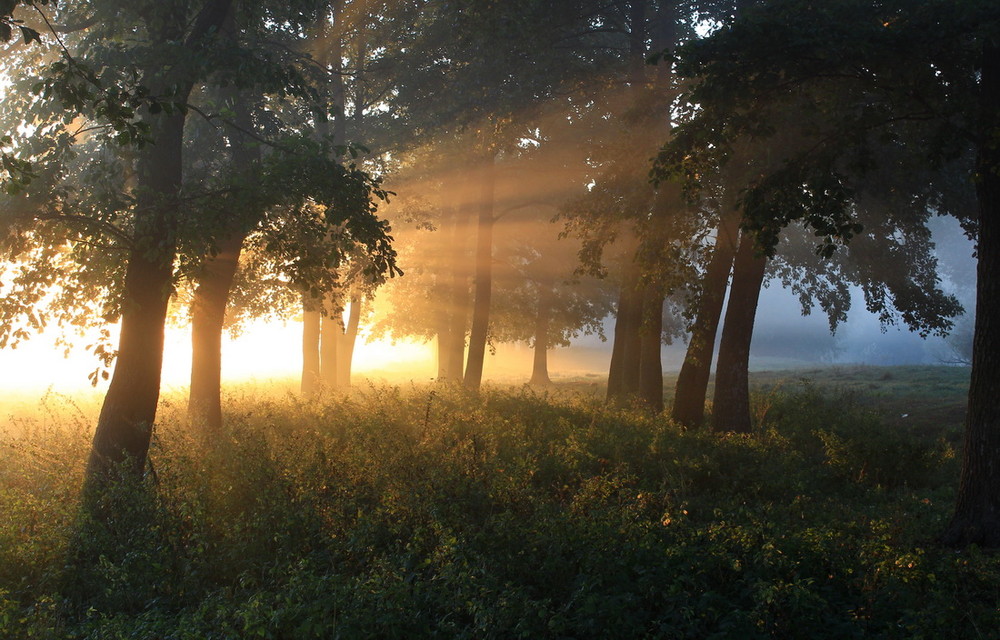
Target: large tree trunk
pixel 731 406
pixel 311 322
pixel 208 313
pixel 650 385
pixel 692 383
pixel 540 362
pixel 977 509
pixel 484 278
pixel 124 427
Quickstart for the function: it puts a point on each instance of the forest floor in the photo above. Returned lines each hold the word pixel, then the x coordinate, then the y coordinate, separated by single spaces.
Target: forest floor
pixel 420 511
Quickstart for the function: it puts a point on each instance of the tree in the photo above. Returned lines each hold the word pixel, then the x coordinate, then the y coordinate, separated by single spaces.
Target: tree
pixel 156 240
pixel 482 73
pixel 859 76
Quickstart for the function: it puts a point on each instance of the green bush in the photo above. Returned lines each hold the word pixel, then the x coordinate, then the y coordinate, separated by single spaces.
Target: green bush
pixel 414 513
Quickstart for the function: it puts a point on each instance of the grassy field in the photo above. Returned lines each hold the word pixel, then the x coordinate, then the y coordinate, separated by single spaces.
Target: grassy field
pixel 418 511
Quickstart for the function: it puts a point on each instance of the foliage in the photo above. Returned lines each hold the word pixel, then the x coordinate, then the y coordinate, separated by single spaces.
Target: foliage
pixel 424 513
pixel 838 90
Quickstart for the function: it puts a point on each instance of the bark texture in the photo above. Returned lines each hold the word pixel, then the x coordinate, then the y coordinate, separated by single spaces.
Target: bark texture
pixel 731 406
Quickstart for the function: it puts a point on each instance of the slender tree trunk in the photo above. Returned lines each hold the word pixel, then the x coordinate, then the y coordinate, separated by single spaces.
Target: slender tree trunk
pixel 445 294
pixel 650 386
pixel 458 304
pixel 331 330
pixel 624 348
pixel 977 510
pixel 692 383
pixel 208 309
pixel 444 338
pixel 350 338
pixel 208 314
pixel 540 362
pixel 311 322
pixel 731 407
pixel 484 278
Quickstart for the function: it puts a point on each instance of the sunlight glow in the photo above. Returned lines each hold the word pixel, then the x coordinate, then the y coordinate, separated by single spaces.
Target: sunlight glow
pixel 264 352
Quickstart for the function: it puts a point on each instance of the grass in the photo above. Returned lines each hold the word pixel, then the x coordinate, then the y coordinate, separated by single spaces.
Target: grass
pixel 407 512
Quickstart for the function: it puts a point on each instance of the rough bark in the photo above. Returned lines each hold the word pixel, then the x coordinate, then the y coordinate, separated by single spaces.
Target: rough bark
pixel 731 405
pixel 484 278
pixel 692 382
pixel 124 427
pixel 977 509
pixel 543 318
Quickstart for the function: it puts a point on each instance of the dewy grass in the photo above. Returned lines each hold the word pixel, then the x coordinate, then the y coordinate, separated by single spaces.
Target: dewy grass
pixel 402 512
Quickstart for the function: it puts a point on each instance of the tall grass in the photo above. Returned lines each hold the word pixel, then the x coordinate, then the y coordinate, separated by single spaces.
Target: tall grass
pixel 423 512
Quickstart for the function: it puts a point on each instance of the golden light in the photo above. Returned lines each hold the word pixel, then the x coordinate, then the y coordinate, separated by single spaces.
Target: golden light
pixel 264 352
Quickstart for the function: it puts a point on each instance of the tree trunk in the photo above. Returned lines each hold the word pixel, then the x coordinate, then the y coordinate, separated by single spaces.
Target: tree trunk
pixel 977 510
pixel 692 383
pixel 632 353
pixel 125 425
pixel 331 333
pixel 650 385
pixel 731 407
pixel 624 368
pixel 208 313
pixel 445 294
pixel 484 277
pixel 458 303
pixel 540 362
pixel 311 321
pixel 349 339
pixel 208 309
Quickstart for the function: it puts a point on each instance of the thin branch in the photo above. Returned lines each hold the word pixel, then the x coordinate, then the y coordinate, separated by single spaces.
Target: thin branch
pixel 88 221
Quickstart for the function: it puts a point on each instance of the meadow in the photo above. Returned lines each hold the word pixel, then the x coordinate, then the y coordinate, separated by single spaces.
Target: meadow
pixel 420 511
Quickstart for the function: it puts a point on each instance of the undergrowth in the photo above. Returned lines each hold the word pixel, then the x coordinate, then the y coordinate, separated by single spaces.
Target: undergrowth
pixel 423 512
